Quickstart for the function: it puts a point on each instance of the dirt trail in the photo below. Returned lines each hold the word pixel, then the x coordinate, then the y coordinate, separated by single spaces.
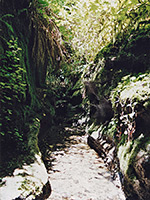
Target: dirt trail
pixel 79 174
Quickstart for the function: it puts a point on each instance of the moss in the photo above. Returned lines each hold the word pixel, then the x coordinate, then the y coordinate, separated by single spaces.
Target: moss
pixel 127 155
pixel 33 137
pixel 129 54
pixel 122 75
pixel 93 128
pixel 124 157
pixel 133 87
pixel 111 128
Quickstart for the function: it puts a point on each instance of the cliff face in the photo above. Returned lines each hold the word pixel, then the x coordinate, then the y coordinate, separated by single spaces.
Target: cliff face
pixel 29 49
pixel 133 129
pixel 118 88
pixel 123 78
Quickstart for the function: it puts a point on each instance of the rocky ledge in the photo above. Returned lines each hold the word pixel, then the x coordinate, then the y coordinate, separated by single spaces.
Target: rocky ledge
pixel 30 182
pixel 130 163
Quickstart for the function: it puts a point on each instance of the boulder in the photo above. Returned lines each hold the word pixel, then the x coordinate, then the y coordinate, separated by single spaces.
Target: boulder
pixel 30 182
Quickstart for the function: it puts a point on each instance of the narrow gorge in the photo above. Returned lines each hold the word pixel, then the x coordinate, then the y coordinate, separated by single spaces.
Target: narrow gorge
pixel 74 100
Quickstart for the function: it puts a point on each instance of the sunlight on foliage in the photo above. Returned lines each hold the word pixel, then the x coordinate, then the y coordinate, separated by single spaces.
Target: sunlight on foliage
pixel 95 23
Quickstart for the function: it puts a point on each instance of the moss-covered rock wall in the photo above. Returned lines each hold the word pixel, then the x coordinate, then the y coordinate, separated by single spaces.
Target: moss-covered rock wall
pixel 30 54
pixel 122 75
pixel 29 48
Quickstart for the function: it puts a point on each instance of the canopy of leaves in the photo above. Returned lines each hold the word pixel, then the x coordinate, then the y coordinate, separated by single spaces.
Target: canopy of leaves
pixel 95 23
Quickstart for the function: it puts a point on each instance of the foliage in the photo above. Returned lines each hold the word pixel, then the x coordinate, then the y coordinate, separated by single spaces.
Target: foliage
pixel 94 24
pixel 13 88
pixel 2 19
pixel 31 84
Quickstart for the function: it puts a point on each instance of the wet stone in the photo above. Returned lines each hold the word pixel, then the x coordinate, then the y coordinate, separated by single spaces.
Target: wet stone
pixel 79 174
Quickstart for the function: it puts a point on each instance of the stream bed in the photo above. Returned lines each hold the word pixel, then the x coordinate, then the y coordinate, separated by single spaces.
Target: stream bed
pixel 78 173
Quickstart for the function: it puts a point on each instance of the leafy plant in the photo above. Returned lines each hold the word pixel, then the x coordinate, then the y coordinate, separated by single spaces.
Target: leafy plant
pixel 9 26
pixel 13 88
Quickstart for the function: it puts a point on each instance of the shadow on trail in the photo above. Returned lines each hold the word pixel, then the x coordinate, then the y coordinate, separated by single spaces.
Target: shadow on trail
pixel 57 138
pixel 78 173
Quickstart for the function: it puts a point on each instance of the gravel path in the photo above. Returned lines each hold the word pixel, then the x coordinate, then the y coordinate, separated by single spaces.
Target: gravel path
pixel 79 174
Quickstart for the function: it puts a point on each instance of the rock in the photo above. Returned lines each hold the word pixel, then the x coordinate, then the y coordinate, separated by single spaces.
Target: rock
pixel 142 166
pixel 95 135
pixel 100 108
pixel 135 165
pixel 96 146
pixel 30 182
pixel 130 125
pixel 46 192
pixel 107 151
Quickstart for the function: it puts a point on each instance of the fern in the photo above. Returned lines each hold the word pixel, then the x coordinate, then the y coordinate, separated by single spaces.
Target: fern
pixel 9 26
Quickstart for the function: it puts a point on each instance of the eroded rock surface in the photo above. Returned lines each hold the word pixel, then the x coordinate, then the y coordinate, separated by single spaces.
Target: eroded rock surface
pixel 30 182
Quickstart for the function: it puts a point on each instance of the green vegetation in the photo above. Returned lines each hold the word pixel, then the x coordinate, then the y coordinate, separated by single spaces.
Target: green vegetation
pixel 48 49
pixel 94 24
pixel 13 88
pixel 36 82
